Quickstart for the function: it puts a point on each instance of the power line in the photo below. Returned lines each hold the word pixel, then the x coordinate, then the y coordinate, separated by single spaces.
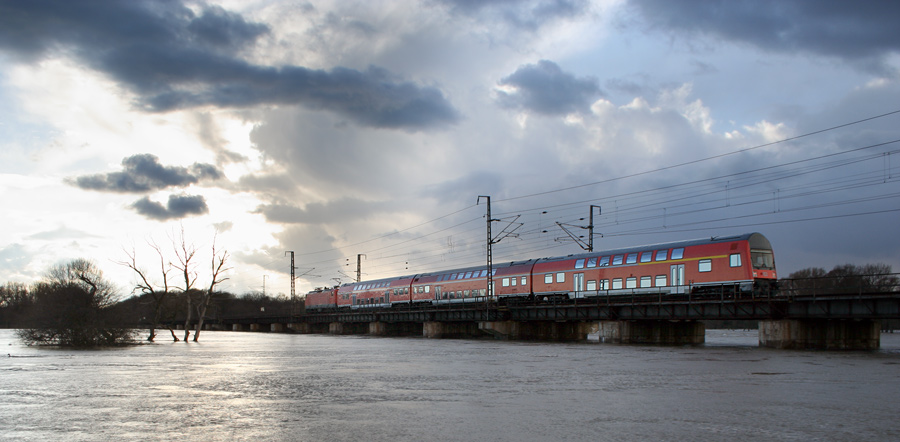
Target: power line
pixel 687 163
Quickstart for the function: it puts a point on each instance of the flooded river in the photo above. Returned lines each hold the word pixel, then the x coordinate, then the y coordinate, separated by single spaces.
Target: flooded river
pixel 278 387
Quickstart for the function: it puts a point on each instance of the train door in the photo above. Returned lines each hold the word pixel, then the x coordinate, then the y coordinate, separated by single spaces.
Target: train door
pixel 578 283
pixel 353 300
pixel 678 278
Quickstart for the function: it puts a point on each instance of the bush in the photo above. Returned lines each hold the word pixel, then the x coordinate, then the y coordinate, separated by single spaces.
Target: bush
pixel 72 308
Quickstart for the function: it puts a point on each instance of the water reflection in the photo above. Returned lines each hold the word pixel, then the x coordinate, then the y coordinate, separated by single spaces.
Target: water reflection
pixel 244 386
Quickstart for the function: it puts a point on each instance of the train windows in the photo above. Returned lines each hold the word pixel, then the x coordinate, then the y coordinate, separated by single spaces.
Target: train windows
pixel 646 256
pixel 604 261
pixel 705 265
pixel 604 284
pixel 548 278
pixel 762 259
pixel 512 281
pixel 617 283
pixel 560 277
pixel 591 285
pixel 468 275
pixel 579 264
pixel 735 259
pixel 660 280
pixel 630 282
pixel 452 276
pixel 460 275
pixel 592 262
pixel 661 255
pixel 617 260
pixel 505 282
pixel 646 281
pixel 678 253
pixel 524 280
pixel 427 288
pixel 483 273
pixel 631 259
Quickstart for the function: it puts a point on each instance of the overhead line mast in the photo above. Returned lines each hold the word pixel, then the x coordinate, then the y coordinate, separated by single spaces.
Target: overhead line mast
pixel 490 242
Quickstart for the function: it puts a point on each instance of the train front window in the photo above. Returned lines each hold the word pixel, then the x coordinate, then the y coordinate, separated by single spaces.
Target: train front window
pixel 762 259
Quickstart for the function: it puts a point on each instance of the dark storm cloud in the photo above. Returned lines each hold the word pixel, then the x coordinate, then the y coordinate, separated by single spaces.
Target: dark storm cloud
pixel 144 173
pixel 178 206
pixel 175 59
pixel 862 31
pixel 528 15
pixel 544 88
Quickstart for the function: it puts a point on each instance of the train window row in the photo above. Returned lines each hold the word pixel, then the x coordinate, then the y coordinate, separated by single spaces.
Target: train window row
pixel 458 294
pixel 630 258
pixel 512 281
pixel 465 275
pixel 627 283
pixel 374 285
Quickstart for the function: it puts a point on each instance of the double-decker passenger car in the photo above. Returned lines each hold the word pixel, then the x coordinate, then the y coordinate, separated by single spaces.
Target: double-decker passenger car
pixel 731 264
pixel 736 263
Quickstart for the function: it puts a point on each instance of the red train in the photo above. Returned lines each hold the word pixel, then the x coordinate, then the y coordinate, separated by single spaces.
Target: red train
pixel 740 263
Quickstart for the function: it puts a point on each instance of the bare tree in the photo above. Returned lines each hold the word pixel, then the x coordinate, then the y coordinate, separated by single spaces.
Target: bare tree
pixel 159 293
pixel 185 253
pixel 217 270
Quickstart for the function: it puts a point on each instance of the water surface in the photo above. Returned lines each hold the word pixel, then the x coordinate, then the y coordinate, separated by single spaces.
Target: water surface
pixel 272 387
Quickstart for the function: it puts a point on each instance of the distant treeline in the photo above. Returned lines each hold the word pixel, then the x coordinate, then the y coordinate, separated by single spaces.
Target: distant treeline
pixel 21 306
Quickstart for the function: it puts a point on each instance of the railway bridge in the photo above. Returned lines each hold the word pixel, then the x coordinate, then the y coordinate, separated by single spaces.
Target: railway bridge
pixel 830 321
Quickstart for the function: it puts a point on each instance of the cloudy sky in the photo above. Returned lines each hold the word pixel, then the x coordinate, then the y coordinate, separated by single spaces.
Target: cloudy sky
pixel 339 128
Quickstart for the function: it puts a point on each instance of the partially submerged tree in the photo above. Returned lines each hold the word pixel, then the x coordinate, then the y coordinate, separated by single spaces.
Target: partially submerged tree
pixel 158 292
pixel 217 270
pixel 190 299
pixel 71 308
pixel 184 253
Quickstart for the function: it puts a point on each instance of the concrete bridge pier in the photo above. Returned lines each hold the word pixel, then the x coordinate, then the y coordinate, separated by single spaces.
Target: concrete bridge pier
pixel 821 334
pixel 537 330
pixel 653 332
pixel 299 327
pixel 395 329
pixel 439 330
pixel 348 328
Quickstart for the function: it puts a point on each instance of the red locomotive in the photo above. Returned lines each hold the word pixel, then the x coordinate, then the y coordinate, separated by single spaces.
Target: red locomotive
pixel 731 264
